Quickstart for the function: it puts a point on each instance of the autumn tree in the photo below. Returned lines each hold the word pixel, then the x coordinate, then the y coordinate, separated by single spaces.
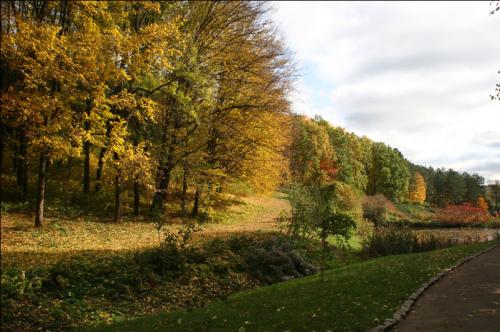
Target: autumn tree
pixel 417 193
pixel 481 203
pixel 352 154
pixel 227 100
pixel 310 148
pixel 37 49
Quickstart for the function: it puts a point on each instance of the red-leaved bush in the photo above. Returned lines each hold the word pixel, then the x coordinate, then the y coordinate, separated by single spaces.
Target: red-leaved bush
pixel 464 213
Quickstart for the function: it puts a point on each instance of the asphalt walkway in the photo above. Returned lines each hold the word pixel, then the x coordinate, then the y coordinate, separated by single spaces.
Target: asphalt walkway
pixel 466 299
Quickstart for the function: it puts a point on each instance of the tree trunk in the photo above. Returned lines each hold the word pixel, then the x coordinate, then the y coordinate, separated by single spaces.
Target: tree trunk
pixel 42 180
pixel 118 195
pixel 86 151
pixel 184 191
pixel 100 162
pixel 17 162
pixel 160 195
pixel 196 204
pixel 137 199
pixel 86 167
pixel 22 163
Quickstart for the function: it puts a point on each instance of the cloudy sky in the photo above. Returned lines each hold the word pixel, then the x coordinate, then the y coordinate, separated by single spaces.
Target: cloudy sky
pixel 414 75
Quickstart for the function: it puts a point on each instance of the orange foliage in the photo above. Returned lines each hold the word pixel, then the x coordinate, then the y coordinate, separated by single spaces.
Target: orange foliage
pixel 482 204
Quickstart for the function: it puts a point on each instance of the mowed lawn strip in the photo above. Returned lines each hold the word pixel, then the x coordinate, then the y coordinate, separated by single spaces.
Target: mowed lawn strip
pixel 351 298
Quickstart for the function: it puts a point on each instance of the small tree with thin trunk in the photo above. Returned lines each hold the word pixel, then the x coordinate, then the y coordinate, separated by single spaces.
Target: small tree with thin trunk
pixel 316 213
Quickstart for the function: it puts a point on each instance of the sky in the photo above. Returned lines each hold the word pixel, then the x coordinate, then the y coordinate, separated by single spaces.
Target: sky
pixel 415 75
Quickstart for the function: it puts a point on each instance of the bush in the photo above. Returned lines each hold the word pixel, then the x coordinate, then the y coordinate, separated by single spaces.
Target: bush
pixel 376 208
pixel 462 214
pixel 273 261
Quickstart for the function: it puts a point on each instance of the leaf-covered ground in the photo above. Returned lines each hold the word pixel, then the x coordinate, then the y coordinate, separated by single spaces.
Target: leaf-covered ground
pixel 76 272
pixel 351 298
pixel 26 246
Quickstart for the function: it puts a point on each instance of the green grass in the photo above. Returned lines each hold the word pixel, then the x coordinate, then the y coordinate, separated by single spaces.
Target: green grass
pixel 352 298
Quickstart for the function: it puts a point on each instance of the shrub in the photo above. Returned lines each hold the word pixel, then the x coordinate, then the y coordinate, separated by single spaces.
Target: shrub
pixel 376 208
pixel 273 261
pixel 462 214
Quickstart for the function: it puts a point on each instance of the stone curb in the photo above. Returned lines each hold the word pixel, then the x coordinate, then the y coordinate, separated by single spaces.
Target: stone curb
pixel 406 306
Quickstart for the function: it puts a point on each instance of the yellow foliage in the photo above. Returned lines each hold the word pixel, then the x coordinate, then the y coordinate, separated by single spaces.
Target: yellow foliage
pixel 418 189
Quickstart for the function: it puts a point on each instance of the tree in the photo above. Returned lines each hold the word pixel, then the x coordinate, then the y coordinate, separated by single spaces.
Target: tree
pixel 417 189
pixel 224 109
pixel 351 154
pixel 455 187
pixel 38 51
pixel 389 174
pixel 474 187
pixel 495 194
pixel 309 151
pixel 481 203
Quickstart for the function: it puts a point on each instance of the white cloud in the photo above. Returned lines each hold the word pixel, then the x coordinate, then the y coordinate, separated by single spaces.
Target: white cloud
pixel 415 75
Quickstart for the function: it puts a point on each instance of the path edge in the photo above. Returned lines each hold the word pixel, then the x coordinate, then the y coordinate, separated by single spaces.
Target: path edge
pixel 404 309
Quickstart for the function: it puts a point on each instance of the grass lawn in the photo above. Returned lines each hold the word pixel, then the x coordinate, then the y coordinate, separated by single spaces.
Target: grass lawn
pixel 352 298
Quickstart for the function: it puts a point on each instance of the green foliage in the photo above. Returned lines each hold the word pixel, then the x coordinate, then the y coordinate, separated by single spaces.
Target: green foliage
pixel 447 186
pixel 389 174
pixel 352 155
pixel 302 210
pixel 320 212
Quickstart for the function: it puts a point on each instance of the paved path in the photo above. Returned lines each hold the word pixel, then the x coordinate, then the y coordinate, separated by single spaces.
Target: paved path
pixel 467 299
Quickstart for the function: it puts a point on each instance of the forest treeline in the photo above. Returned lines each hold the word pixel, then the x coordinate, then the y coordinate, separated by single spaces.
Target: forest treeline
pixel 370 168
pixel 132 102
